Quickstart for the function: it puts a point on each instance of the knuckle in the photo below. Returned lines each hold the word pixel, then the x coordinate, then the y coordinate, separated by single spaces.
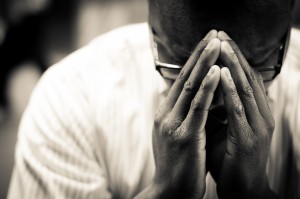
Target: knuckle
pixel 196 105
pixel 239 109
pixel 171 130
pixel 251 140
pixel 271 125
pixel 157 123
pixel 163 124
pixel 205 87
pixel 247 145
pixel 234 94
pixel 175 136
pixel 247 90
pixel 183 138
pixel 250 148
pixel 188 86
pixel 198 108
pixel 233 90
pixel 181 74
pixel 253 75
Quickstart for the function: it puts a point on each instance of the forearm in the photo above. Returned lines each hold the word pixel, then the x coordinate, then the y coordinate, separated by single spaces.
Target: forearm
pixel 269 193
pixel 265 193
pixel 151 192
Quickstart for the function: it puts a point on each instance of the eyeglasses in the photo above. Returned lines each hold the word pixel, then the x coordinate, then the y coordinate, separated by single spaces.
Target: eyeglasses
pixel 268 73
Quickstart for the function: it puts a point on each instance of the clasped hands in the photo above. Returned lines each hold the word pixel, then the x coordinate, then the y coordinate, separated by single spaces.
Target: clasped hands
pixel 179 135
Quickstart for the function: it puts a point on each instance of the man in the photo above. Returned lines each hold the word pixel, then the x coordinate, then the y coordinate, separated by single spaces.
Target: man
pixel 103 123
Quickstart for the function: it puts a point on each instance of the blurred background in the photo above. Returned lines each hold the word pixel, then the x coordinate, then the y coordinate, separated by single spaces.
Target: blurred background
pixel 34 34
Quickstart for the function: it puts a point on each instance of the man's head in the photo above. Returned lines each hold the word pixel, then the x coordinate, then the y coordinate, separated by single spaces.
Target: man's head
pixel 256 26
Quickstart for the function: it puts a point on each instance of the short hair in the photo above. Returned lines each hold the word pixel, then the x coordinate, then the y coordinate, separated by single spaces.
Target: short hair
pixel 249 22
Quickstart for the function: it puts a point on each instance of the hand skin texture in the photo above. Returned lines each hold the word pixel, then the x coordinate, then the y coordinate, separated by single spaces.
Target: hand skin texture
pixel 179 135
pixel 240 171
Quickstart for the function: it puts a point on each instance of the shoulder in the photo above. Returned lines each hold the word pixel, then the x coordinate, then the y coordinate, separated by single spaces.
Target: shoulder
pixel 105 51
pixel 293 53
pixel 110 62
pixel 285 87
pixel 72 92
pixel 103 59
pixel 134 35
pixel 106 57
pixel 286 94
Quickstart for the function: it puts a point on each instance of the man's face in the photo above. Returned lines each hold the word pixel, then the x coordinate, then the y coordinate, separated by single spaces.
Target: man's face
pixel 257 28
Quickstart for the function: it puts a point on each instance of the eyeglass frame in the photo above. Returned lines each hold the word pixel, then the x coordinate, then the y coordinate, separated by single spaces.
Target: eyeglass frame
pixel 276 68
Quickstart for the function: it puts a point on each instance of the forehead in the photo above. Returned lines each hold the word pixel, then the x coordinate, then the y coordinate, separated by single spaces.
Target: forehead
pixel 256 26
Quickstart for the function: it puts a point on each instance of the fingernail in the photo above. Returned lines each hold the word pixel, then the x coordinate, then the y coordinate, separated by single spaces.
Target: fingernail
pixel 223 36
pixel 211 70
pixel 227 73
pixel 212 43
pixel 227 46
pixel 211 34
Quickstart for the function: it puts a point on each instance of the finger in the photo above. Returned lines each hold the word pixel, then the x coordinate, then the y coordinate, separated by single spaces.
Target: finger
pixel 198 110
pixel 186 70
pixel 244 63
pixel 230 60
pixel 208 58
pixel 240 129
pixel 253 77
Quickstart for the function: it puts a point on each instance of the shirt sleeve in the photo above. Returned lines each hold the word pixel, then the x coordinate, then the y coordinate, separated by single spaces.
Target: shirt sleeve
pixel 54 155
pixel 290 82
pixel 285 148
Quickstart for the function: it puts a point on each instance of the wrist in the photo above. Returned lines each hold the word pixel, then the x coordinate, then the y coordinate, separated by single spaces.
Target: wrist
pixel 153 191
pixel 265 192
pixel 156 191
pixel 269 193
pixel 259 189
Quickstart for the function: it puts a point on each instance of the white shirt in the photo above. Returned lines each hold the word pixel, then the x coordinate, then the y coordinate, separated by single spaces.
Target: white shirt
pixel 86 132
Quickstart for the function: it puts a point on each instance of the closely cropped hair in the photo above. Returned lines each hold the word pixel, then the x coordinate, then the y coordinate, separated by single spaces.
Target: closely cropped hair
pixel 249 22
